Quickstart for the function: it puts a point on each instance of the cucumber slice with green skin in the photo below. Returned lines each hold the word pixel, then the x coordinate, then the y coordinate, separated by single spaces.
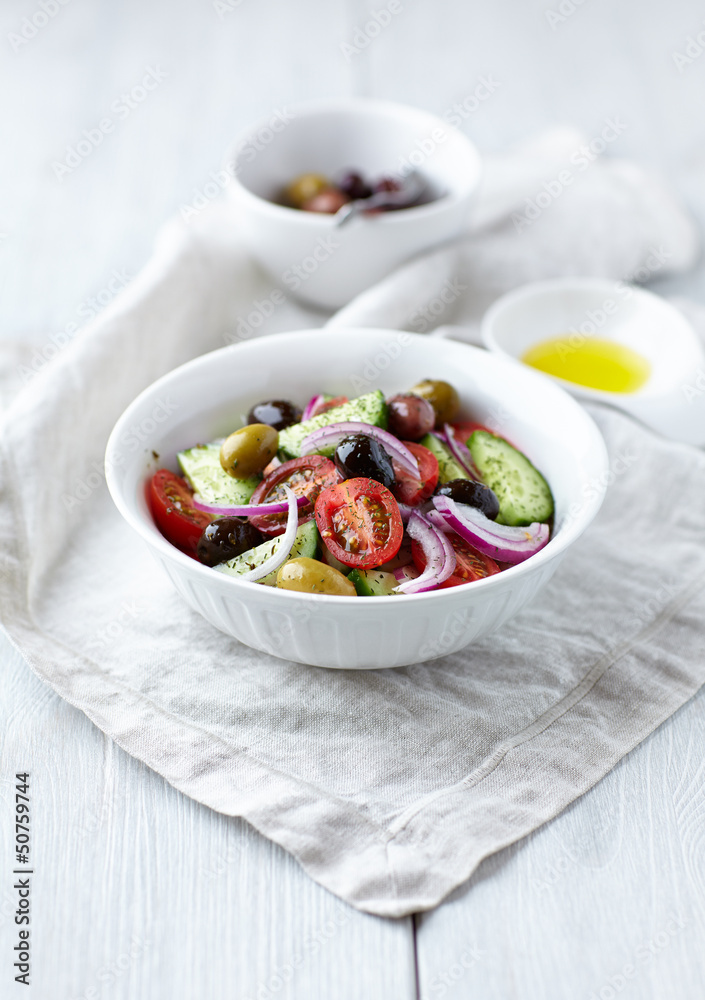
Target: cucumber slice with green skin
pixel 373 582
pixel 306 543
pixel 524 495
pixel 370 409
pixel 448 468
pixel 329 559
pixel 204 473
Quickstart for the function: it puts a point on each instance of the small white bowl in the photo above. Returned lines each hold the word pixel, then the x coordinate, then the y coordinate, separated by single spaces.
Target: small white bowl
pixel 672 401
pixel 305 252
pixel 207 397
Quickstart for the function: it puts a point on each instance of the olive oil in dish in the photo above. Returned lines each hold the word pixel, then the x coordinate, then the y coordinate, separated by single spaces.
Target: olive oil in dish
pixel 590 361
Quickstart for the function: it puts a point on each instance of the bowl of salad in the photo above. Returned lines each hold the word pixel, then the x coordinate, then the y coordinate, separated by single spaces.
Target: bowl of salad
pixel 357 498
pixel 413 177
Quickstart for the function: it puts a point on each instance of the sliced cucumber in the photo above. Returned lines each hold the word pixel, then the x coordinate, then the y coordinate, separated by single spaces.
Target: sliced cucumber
pixel 373 582
pixel 329 559
pixel 524 495
pixel 305 544
pixel 201 467
pixel 448 468
pixel 370 409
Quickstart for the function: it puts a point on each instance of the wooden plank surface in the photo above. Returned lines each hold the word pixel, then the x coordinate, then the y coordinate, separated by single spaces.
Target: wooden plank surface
pixel 140 892
pixel 607 900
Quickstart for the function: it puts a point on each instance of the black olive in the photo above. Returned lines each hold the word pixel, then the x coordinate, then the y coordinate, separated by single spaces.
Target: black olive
pixel 278 413
pixel 354 185
pixel 360 455
pixel 473 494
pixel 225 538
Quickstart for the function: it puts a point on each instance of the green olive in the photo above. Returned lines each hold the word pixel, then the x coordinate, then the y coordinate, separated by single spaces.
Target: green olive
pixel 313 577
pixel 442 397
pixel 305 187
pixel 247 451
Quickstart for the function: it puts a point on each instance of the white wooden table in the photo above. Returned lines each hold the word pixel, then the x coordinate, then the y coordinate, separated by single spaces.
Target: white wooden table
pixel 141 893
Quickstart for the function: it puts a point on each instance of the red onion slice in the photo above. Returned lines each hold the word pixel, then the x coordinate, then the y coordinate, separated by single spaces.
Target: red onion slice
pixel 403 573
pixel 247 509
pixel 427 509
pixel 460 453
pixel 311 407
pixel 438 521
pixel 282 550
pixel 405 510
pixel 440 557
pixel 501 542
pixel 332 434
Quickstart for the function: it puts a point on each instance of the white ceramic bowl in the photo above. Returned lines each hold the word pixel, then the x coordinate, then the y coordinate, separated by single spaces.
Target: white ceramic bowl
pixel 207 397
pixel 304 251
pixel 671 401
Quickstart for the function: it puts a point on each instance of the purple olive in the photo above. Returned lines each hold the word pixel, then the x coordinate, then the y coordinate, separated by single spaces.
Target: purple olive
pixel 387 184
pixel 410 417
pixel 328 201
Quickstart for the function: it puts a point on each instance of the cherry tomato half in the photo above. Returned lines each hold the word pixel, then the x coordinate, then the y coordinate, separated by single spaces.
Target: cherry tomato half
pixel 407 488
pixel 469 563
pixel 465 428
pixel 328 404
pixel 306 476
pixel 170 499
pixel 359 522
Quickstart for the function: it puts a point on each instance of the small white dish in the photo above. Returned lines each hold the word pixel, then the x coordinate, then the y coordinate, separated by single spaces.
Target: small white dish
pixel 307 253
pixel 208 395
pixel 672 401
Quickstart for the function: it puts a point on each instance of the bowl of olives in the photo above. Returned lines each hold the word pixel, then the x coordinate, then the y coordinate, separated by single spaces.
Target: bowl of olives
pixel 240 395
pixel 335 195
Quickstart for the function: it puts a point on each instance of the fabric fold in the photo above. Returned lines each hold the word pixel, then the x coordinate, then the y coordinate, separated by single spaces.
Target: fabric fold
pixel 389 787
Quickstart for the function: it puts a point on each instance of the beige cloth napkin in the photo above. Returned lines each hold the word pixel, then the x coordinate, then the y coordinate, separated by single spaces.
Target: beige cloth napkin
pixel 389 786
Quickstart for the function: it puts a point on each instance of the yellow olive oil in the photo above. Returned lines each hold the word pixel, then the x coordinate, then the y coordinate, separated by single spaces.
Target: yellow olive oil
pixel 589 361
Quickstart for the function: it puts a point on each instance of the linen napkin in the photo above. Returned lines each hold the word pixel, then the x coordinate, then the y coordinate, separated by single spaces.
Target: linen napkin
pixel 390 786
